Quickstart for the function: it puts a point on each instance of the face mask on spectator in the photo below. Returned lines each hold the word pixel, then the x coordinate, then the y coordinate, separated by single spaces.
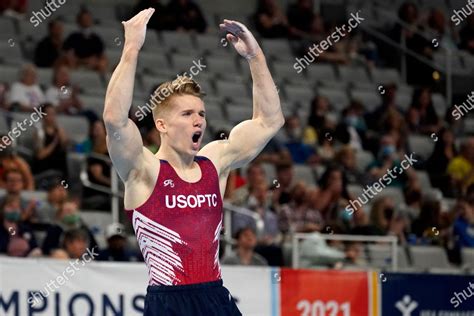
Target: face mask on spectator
pixel 13 216
pixel 352 120
pixel 387 151
pixel 71 219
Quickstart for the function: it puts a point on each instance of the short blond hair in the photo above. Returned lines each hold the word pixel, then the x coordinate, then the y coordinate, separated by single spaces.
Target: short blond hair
pixel 182 85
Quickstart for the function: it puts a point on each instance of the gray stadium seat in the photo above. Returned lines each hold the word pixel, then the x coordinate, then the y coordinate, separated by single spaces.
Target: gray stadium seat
pixel 113 37
pixel 232 89
pixel 94 103
pixel 151 61
pixel 89 81
pixel 337 98
pixel 395 193
pixel 8 74
pixel 225 66
pixel 426 257
pixel 4 128
pixel 421 145
pixel 213 45
pixel 151 42
pixel 381 256
pixel 468 257
pixel 270 173
pixel 7 26
pixel 439 103
pixel 301 94
pixel 363 159
pixel 76 127
pixel 468 125
pixel 214 112
pixel 74 163
pixel 177 41
pixel 11 54
pixel 353 74
pixel 424 179
pixel 370 99
pixel 321 72
pixel 45 77
pixel 29 32
pixel 97 222
pixel 304 173
pixel 403 100
pixel 237 114
pixel 383 76
pixel 278 49
pixel 150 82
pixel 283 70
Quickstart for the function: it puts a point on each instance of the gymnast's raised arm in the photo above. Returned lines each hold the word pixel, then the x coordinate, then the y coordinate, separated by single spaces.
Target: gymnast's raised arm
pixel 124 141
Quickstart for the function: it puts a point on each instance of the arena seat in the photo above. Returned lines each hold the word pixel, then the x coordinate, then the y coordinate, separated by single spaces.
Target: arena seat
pixel 7 25
pixel 181 42
pixel 278 48
pixel 89 81
pixel 232 89
pixel 380 256
pixel 353 74
pixel 421 145
pixel 304 173
pixel 225 66
pixel 337 98
pixel 370 99
pixel 11 55
pixel 298 93
pixel 427 257
pixel 321 72
pixel 385 75
pixel 76 127
pixel 237 114
pixel 212 45
pixel 363 159
pixel 149 61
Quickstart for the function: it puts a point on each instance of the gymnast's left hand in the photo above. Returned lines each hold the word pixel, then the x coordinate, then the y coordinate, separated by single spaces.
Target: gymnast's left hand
pixel 245 43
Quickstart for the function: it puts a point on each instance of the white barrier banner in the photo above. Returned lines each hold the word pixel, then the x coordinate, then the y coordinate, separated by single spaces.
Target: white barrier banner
pixel 109 288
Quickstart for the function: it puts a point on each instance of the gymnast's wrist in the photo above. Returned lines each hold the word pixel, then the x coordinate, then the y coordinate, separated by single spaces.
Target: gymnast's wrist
pixel 256 56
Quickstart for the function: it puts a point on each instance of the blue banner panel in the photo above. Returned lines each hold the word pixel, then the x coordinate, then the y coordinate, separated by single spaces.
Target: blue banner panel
pixel 427 295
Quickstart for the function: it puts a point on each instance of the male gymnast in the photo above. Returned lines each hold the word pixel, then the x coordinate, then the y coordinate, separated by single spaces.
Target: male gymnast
pixel 174 197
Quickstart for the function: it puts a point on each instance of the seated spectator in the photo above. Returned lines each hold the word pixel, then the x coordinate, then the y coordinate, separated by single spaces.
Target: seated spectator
pixel 49 49
pixel 427 227
pixel 270 21
pixel 437 164
pixel 244 253
pixel 47 210
pixel 388 104
pixel 467 35
pixel 294 139
pixel 85 48
pixel 354 255
pixel 394 125
pixel 351 130
pixel 282 185
pixel 421 115
pixel 304 23
pixel 75 243
pixel 460 167
pixel 437 27
pixel 61 94
pixel 116 245
pixel 16 9
pixel 98 170
pixel 67 218
pixel 9 160
pixel 326 150
pixel 319 109
pixel 413 200
pixel 51 146
pixel 12 199
pixel 268 241
pixel 362 224
pixel 333 196
pixel 463 228
pixel 185 15
pixel 16 236
pixel 384 219
pixel 298 215
pixel 59 254
pixel 255 174
pixel 346 158
pixel 26 93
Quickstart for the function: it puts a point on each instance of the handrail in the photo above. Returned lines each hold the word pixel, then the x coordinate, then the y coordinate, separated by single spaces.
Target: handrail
pixel 388 239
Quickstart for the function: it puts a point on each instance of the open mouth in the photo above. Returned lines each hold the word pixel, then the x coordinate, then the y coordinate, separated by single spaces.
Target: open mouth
pixel 196 136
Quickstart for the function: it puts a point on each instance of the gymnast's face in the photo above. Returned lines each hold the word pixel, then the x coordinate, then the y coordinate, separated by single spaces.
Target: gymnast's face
pixel 183 124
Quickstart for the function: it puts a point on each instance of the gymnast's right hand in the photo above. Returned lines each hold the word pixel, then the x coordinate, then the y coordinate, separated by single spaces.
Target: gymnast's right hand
pixel 135 29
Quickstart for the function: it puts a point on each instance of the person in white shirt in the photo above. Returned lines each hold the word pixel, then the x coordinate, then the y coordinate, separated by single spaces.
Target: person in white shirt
pixel 61 94
pixel 26 94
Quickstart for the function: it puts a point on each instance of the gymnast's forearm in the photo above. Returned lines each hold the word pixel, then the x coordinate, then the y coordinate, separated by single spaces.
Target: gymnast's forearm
pixel 119 95
pixel 266 102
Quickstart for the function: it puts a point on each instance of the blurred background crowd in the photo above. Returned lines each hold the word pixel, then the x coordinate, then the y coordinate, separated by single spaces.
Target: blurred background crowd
pixel 354 113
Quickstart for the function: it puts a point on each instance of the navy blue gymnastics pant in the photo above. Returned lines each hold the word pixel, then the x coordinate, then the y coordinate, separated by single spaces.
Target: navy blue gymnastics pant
pixel 201 299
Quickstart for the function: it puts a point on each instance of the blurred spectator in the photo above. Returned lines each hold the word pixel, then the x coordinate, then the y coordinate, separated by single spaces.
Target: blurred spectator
pixel 427 227
pixel 152 140
pixel 51 147
pixel 294 139
pixel 354 255
pixel 270 21
pixel 75 243
pixel 326 150
pixel 315 251
pixel 460 167
pixel 437 164
pixel 346 158
pixel 437 24
pixel 333 195
pixel 185 15
pixel 116 245
pixel 281 192
pixel 12 199
pixel 351 129
pixel 49 49
pixel 160 20
pixel 393 124
pixel 304 23
pixel 59 254
pixel 255 174
pixel 16 237
pixel 61 94
pixel 47 210
pixel 421 116
pixel 85 48
pixel 14 8
pixel 319 108
pixel 67 218
pixel 259 203
pixel 362 224
pixel 467 35
pixel 388 104
pixel 298 215
pixel 26 93
pixel 98 170
pixel 9 160
pixel 463 228
pixel 244 253
pixel 413 200
pixel 386 220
